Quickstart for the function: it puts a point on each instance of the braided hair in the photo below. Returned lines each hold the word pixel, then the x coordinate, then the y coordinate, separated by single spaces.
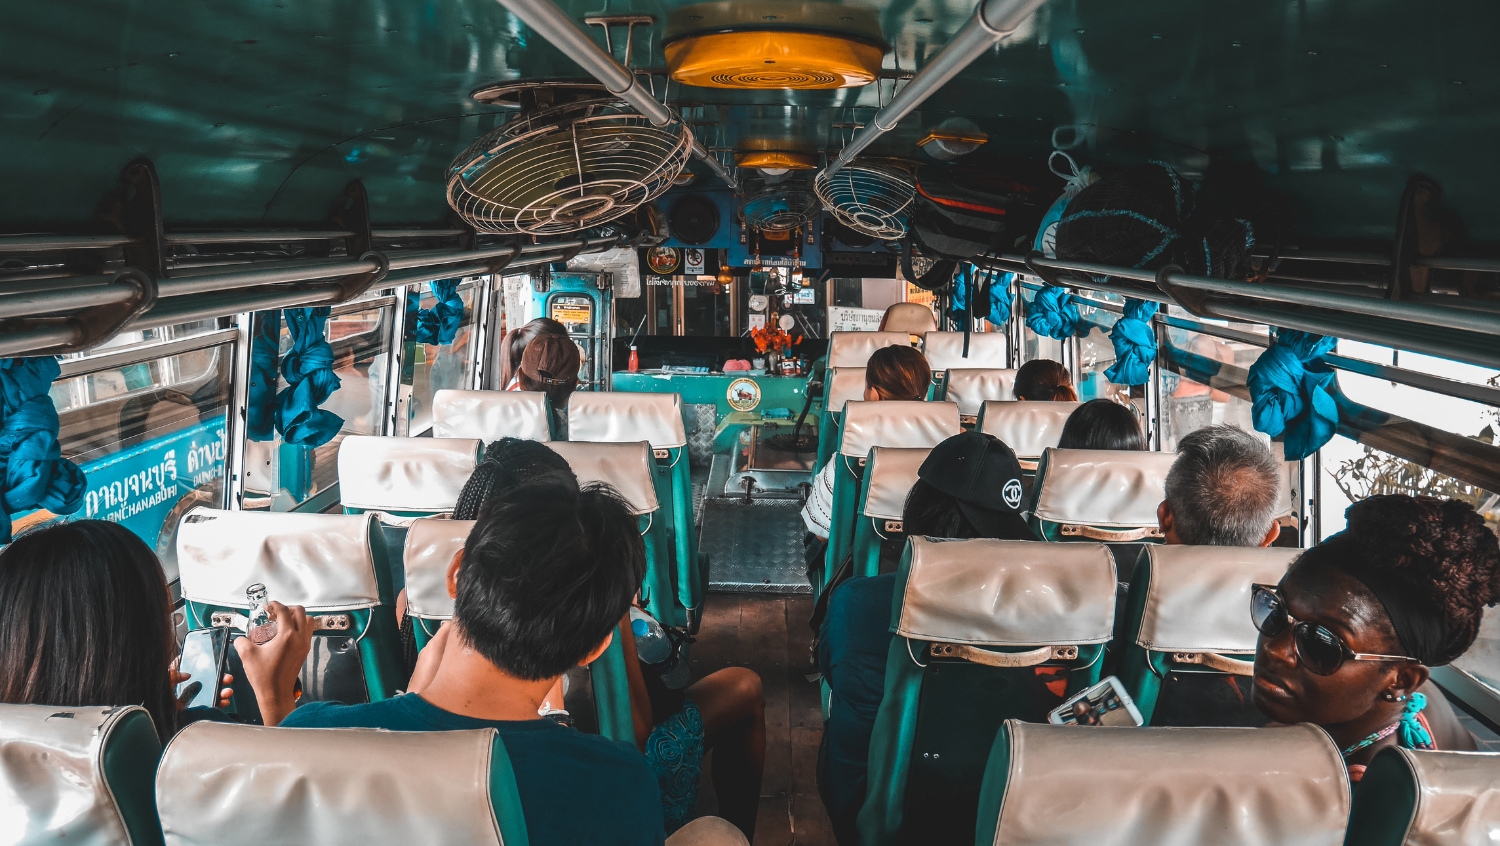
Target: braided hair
pixel 507 463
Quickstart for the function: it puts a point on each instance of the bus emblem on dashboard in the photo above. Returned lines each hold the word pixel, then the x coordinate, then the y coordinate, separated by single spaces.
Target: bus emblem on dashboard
pixel 744 395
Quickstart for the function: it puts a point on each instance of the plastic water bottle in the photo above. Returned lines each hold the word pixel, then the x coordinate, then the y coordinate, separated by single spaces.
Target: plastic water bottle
pixel 651 644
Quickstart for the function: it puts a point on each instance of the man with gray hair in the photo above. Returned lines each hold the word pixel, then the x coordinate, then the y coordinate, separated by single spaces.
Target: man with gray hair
pixel 1223 490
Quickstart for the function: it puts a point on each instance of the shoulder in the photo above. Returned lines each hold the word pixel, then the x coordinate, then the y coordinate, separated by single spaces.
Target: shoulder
pixel 339 715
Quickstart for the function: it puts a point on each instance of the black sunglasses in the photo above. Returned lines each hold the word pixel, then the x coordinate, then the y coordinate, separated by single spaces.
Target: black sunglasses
pixel 1318 649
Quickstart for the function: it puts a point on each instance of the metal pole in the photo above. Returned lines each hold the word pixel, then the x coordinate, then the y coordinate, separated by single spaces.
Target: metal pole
pixel 395 353
pixel 563 33
pixel 239 411
pixel 992 21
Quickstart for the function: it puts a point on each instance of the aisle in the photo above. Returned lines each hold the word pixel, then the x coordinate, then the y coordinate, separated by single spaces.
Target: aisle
pixel 769 634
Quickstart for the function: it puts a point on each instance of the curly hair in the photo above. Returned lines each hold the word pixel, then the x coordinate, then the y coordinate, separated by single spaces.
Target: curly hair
pixel 1437 551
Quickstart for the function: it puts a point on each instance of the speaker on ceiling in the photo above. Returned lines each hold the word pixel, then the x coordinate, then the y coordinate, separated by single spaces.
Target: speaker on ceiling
pixel 694 219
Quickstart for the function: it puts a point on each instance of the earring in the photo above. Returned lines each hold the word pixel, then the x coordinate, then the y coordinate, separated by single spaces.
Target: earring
pixel 1391 697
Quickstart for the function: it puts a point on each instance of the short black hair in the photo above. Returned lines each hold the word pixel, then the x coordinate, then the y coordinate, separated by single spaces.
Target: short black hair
pixel 548 571
pixel 1102 424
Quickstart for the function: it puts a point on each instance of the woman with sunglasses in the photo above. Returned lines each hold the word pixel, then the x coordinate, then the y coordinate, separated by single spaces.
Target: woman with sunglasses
pixel 1348 636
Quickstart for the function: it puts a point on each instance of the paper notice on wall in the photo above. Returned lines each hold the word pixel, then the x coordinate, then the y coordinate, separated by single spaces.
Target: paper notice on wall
pixel 692 261
pixel 841 319
pixel 755 321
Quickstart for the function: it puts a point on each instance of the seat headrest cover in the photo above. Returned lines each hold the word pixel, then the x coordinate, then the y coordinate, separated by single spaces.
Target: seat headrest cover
pixel 52 783
pixel 1124 786
pixel 896 424
pixel 320 561
pixel 1102 487
pixel 1027 427
pixel 945 350
pixel 628 468
pixel 891 474
pixel 970 389
pixel 618 417
pixel 491 415
pixel 1458 797
pixel 845 384
pixel 853 349
pixel 228 783
pixel 405 474
pixel 1198 599
pixel 911 318
pixel 1008 593
pixel 430 545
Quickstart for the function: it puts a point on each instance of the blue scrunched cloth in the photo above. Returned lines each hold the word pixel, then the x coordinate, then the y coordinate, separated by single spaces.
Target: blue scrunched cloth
pixel 1054 314
pixel 1134 341
pixel 439 324
pixel 997 304
pixel 265 348
pixel 36 474
pixel 308 371
pixel 1292 392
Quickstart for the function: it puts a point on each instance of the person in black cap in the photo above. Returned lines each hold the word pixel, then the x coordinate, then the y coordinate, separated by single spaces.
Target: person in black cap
pixel 969 487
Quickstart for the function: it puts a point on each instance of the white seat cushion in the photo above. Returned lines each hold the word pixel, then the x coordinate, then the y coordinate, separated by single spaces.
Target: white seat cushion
pixel 853 349
pixel 405 474
pixel 945 350
pixel 491 415
pixel 896 424
pixel 627 417
pixel 1028 428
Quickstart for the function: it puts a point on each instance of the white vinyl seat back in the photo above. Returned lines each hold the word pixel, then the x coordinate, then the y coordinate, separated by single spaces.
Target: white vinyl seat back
pixel 53 784
pixel 1413 797
pixel 240 785
pixel 1028 428
pixel 491 415
pixel 1198 597
pixel 324 562
pixel 945 350
pixel 628 468
pixel 1008 593
pixel 1128 786
pixel 431 543
pixel 422 475
pixel 912 318
pixel 853 349
pixel 889 479
pixel 845 384
pixel 1100 494
pixel 970 389
pixel 896 424
pixel 626 417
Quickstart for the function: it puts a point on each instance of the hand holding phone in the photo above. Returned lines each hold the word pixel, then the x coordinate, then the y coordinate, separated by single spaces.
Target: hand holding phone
pixel 201 668
pixel 1104 704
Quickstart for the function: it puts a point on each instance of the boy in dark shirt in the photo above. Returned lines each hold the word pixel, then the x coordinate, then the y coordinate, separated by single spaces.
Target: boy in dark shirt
pixel 545 575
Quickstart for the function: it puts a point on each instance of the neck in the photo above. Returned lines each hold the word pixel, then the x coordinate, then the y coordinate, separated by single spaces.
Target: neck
pixel 466 683
pixel 1349 733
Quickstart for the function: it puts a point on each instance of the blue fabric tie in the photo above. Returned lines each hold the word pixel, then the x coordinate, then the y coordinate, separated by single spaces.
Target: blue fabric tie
pixel 1292 392
pixel 1135 344
pixel 439 324
pixel 308 370
pixel 1053 313
pixel 1413 735
pixel 265 348
pixel 36 474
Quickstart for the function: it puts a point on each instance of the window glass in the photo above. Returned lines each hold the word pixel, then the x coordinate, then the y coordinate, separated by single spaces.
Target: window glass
pixel 1482 661
pixel 705 309
pixel 151 440
pixel 1036 346
pixel 1431 365
pixel 1096 354
pixel 281 476
pixel 1188 404
pixel 429 368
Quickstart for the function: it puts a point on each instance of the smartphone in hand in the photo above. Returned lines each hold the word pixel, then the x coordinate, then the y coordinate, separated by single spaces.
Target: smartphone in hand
pixel 1104 704
pixel 204 660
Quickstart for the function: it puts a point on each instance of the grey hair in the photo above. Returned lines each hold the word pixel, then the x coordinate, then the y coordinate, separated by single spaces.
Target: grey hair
pixel 1223 488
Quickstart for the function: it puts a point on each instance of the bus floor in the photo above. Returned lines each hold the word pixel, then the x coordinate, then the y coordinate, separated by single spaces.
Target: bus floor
pixel 769 634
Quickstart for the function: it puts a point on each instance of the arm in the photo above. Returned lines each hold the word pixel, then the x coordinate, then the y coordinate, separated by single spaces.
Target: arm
pixel 640 702
pixel 272 667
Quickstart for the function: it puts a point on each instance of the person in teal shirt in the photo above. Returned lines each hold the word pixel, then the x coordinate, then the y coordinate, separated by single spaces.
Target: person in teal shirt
pixel 544 577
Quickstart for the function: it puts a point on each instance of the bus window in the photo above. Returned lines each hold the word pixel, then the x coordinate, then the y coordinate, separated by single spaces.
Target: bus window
pixel 1037 346
pixel 429 368
pixel 1188 404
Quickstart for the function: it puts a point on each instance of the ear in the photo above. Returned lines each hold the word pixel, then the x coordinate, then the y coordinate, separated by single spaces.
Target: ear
pixel 871 394
pixel 453 568
pixel 1164 522
pixel 1271 534
pixel 598 650
pixel 1410 677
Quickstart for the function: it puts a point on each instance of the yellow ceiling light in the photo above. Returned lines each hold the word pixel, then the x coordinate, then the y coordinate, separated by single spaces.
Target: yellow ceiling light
pixel 775 59
pixel 776 160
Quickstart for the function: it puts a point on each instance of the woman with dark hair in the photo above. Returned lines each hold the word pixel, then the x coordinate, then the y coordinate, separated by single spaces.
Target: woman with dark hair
pixel 1102 424
pixel 1044 380
pixel 891 374
pixel 513 347
pixel 1347 637
pixel 88 621
pixel 550 365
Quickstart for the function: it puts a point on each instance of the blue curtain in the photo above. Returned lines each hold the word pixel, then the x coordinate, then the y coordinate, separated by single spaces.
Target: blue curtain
pixel 1054 314
pixel 265 348
pixel 308 370
pixel 1135 344
pixel 36 474
pixel 996 307
pixel 1292 390
pixel 439 324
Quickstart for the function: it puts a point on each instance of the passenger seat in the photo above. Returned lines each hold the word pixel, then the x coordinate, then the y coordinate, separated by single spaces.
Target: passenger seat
pixel 78 775
pixel 1410 797
pixel 324 562
pixel 1189 651
pixel 985 630
pixel 853 349
pixel 945 350
pixel 1125 786
pixel 1099 495
pixel 845 384
pixel 406 477
pixel 491 415
pixel 1028 428
pixel 971 388
pixel 882 504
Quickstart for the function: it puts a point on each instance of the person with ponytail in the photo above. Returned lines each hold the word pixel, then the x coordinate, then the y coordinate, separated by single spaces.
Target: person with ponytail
pixel 1044 380
pixel 1348 636
pixel 550 365
pixel 514 345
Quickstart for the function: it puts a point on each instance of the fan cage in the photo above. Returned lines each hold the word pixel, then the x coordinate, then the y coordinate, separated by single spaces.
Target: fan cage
pixel 566 169
pixel 868 199
pixel 780 209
